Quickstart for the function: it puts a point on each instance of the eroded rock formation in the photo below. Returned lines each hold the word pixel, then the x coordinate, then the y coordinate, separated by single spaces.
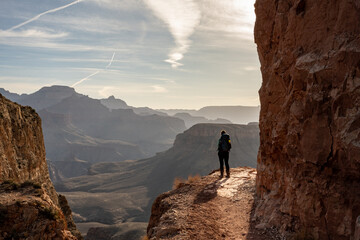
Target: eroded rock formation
pixel 30 208
pixel 309 158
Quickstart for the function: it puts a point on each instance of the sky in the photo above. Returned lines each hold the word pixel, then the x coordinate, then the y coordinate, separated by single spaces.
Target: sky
pixel 156 53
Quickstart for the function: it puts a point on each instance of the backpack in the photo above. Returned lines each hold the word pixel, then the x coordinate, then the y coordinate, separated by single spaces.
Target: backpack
pixel 224 143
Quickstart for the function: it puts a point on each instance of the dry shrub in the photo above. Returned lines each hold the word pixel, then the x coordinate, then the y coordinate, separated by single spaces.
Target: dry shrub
pixel 178 182
pixel 193 179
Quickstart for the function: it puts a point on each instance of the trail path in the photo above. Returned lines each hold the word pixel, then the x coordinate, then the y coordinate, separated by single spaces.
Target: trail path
pixel 211 208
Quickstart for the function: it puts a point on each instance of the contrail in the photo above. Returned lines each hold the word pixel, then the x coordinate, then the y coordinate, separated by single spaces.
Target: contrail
pixel 110 61
pixel 93 74
pixel 85 78
pixel 41 14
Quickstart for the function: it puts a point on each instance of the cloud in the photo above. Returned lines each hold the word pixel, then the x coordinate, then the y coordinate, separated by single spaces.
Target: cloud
pixel 251 68
pixel 181 18
pixel 42 14
pixel 118 5
pixel 56 46
pixel 129 88
pixel 226 18
pixel 32 33
pixel 235 17
pixel 159 89
pixel 95 24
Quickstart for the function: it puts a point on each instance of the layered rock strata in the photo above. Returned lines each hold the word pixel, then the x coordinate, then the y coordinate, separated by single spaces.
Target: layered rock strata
pixel 309 158
pixel 30 208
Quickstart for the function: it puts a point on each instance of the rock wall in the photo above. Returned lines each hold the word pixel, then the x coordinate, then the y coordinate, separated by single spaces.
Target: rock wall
pixel 309 158
pixel 22 146
pixel 29 204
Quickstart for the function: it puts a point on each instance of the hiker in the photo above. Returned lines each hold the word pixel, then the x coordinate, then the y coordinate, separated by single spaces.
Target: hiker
pixel 224 146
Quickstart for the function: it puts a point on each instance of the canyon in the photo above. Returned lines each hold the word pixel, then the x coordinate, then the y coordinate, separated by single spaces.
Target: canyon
pixel 308 163
pixel 115 196
pixel 80 131
pixel 109 190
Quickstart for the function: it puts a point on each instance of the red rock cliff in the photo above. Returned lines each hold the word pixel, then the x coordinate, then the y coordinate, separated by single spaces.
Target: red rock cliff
pixel 309 158
pixel 30 208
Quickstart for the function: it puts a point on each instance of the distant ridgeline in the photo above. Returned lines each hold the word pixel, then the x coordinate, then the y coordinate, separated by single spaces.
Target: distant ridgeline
pixel 220 114
pixel 80 131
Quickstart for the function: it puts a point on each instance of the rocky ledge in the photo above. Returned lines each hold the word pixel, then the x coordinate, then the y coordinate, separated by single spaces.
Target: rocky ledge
pixel 209 207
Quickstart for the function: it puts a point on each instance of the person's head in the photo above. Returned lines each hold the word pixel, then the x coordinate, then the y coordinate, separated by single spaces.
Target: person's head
pixel 223 132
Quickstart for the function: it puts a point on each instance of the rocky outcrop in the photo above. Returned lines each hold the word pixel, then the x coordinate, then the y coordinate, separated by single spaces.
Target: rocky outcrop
pixel 209 208
pixel 309 158
pixel 29 205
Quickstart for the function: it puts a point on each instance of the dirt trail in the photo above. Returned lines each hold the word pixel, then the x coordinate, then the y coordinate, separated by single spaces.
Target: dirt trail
pixel 210 208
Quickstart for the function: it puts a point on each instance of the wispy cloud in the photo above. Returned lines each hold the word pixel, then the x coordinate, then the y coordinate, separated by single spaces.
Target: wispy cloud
pixel 93 74
pixel 159 89
pixel 115 4
pixel 236 17
pixel 95 24
pixel 130 88
pixel 42 14
pixel 251 68
pixel 32 33
pixel 181 18
pixel 56 46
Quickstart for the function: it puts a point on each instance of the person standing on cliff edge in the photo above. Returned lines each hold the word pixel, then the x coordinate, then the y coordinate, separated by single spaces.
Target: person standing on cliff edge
pixel 224 147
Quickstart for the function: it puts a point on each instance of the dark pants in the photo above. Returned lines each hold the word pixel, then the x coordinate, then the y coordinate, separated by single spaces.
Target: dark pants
pixel 224 156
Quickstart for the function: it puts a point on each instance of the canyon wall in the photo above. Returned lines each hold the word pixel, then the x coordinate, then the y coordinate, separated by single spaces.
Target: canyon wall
pixel 309 159
pixel 29 204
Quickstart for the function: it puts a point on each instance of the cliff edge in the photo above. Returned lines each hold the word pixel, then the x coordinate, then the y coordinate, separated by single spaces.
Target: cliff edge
pixel 309 159
pixel 210 208
pixel 30 208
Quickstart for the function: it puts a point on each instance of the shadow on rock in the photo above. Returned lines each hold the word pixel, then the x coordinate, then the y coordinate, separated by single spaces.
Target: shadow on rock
pixel 209 191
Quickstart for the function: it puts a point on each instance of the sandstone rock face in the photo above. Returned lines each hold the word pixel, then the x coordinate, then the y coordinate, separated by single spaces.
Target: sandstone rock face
pixel 22 145
pixel 29 205
pixel 309 158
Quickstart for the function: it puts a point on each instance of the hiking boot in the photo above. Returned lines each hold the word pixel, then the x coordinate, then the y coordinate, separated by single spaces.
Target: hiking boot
pixel 227 174
pixel 221 175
